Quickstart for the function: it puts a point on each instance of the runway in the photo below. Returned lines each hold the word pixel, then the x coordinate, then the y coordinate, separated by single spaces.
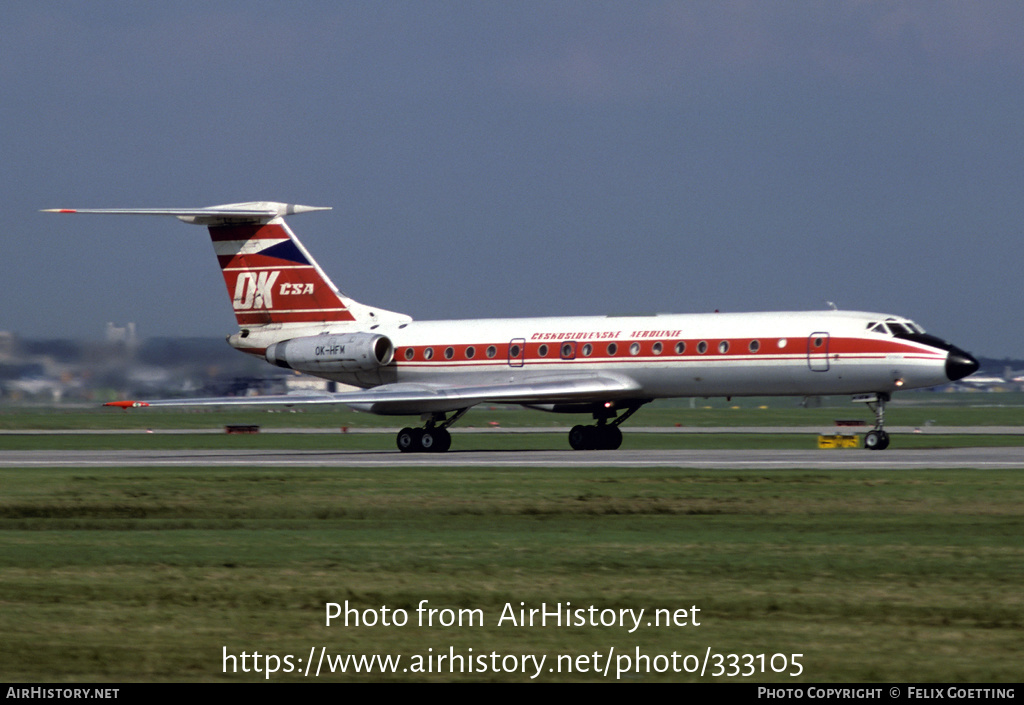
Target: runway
pixel 847 459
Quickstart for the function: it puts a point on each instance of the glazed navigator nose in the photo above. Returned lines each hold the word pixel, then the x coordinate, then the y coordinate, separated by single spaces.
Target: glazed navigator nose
pixel 959 364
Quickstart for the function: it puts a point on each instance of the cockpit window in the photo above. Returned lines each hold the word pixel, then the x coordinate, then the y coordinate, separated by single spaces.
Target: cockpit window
pixel 891 326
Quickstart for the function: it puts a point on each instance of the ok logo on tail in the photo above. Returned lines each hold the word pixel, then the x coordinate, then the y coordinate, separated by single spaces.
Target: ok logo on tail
pixel 254 290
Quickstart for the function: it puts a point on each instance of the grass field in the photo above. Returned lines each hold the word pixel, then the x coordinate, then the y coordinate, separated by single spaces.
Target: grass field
pixel 131 574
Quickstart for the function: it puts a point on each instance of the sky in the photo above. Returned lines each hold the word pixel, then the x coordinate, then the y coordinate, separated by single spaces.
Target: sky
pixel 519 158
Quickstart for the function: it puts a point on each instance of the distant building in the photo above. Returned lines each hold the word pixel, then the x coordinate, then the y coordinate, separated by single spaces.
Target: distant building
pixel 122 334
pixel 8 345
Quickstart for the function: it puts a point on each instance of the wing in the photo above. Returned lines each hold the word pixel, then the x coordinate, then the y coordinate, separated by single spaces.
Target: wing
pixel 399 399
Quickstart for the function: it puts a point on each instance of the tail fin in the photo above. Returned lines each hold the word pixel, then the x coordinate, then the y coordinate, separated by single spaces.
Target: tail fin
pixel 270 276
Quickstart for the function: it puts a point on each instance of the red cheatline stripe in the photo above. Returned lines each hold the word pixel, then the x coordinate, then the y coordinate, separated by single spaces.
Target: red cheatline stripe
pixel 704 360
pixel 842 350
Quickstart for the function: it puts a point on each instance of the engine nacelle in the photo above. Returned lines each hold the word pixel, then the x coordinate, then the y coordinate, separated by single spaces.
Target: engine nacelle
pixel 345 352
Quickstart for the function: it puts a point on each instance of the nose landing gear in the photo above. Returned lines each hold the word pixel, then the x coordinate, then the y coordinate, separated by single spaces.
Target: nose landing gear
pixel 876 438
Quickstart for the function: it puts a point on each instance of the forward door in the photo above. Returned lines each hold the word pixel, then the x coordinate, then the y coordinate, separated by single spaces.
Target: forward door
pixel 817 352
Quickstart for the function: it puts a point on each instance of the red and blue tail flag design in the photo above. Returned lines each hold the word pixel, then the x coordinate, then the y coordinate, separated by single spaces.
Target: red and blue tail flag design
pixel 271 278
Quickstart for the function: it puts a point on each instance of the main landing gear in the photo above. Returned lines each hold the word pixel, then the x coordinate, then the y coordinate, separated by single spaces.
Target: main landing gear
pixel 435 438
pixel 432 438
pixel 603 435
pixel 876 438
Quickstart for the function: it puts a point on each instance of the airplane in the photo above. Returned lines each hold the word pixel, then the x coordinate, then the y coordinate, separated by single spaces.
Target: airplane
pixel 292 315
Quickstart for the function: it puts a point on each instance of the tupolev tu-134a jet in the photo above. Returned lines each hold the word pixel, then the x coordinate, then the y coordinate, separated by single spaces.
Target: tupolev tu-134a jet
pixel 291 314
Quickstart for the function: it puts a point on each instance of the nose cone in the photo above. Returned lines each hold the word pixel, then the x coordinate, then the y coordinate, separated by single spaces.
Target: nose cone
pixel 959 364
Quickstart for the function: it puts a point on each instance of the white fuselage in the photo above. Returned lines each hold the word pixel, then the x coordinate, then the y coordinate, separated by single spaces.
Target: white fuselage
pixel 666 355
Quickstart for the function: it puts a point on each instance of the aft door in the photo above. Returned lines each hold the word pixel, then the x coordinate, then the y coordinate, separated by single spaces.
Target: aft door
pixel 817 352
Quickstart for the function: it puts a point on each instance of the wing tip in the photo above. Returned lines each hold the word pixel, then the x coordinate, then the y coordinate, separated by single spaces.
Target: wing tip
pixel 127 404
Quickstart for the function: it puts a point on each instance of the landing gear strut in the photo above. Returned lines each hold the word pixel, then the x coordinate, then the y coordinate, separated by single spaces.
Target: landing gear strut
pixel 603 435
pixel 432 438
pixel 876 438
